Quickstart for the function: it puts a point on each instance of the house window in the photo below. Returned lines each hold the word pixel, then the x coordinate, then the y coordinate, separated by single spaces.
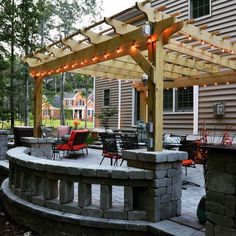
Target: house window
pixel 106 97
pixel 168 100
pixel 199 8
pixel 184 99
pixel 178 100
pixel 88 112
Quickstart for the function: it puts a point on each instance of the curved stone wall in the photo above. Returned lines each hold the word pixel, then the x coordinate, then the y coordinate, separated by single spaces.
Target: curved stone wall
pixel 45 191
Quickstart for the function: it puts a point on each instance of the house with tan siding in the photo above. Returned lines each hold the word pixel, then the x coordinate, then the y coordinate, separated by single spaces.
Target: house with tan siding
pixel 185 109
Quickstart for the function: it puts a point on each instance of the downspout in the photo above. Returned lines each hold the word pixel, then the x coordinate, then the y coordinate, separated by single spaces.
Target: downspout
pixel 119 103
pixel 195 109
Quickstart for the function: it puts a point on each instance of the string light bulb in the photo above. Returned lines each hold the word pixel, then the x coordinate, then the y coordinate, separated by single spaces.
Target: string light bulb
pixel 222 50
pixel 118 50
pixel 105 55
pixel 81 63
pixel 189 37
pixel 204 85
pixel 227 83
pixel 215 84
pixel 133 46
pixel 212 47
pixel 202 42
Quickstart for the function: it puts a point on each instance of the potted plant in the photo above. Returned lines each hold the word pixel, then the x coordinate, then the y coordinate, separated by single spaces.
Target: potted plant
pixel 105 115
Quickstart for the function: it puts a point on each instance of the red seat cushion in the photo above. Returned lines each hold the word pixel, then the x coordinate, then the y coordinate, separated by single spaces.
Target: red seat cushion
pixel 188 162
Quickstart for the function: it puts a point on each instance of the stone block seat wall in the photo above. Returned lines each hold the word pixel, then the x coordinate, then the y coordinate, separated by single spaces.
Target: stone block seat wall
pixel 221 191
pixel 44 190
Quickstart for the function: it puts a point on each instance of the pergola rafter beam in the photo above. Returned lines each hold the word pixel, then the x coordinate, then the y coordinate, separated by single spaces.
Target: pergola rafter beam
pixel 205 79
pixel 212 39
pixel 200 54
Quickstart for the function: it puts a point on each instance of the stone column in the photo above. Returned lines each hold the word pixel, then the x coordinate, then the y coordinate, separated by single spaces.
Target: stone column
pixel 221 192
pixel 162 198
pixel 3 144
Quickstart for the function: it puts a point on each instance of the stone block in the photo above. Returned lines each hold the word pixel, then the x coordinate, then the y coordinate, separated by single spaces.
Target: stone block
pixel 177 165
pixel 115 213
pixel 92 211
pixel 119 173
pixel 66 191
pixel 153 157
pixel 218 166
pixel 105 197
pixel 231 168
pixel 148 174
pixel 221 182
pixel 160 191
pixel 50 189
pixel 165 210
pixel 230 205
pixel 163 166
pixel 178 207
pixel 153 209
pixel 173 172
pixel 71 207
pixel 53 204
pixel 137 215
pixel 38 200
pixel 215 197
pixel 130 155
pixel 158 183
pixel 84 195
pixel 223 231
pixel 128 198
pixel 215 208
pixel 88 171
pixel 221 220
pixel 104 172
pixel 160 174
pixel 210 228
pixel 136 174
pixel 166 198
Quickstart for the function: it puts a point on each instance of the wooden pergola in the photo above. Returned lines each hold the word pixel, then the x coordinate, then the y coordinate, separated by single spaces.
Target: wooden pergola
pixel 137 41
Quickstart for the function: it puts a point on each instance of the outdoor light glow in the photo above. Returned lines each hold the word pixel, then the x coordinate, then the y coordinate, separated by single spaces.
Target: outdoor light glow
pixel 133 46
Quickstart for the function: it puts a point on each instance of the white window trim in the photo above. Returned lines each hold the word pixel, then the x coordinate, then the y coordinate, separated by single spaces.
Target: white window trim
pixel 199 18
pixel 195 108
pixel 174 104
pixel 133 106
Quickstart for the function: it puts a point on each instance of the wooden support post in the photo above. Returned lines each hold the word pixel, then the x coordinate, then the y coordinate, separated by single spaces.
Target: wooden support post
pixel 37 106
pixel 159 78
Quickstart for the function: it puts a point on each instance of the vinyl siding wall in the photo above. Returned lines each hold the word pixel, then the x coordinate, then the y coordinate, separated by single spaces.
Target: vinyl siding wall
pixel 222 19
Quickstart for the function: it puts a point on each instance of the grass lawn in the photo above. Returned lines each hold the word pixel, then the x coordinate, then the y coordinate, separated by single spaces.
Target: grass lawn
pixel 56 123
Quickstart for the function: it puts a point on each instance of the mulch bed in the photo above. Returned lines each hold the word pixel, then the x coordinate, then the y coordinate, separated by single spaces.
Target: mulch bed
pixel 10 228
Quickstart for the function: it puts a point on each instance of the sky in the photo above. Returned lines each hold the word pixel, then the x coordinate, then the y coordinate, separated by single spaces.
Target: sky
pixel 112 7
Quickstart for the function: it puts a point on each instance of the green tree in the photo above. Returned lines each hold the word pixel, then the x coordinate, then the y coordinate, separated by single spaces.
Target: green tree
pixel 68 15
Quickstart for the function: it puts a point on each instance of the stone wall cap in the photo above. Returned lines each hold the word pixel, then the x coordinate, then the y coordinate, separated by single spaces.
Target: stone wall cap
pixel 2 131
pixel 155 156
pixel 20 156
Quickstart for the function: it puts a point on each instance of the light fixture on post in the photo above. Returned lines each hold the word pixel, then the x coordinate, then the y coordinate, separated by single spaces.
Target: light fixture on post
pixel 147 29
pixel 145 79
